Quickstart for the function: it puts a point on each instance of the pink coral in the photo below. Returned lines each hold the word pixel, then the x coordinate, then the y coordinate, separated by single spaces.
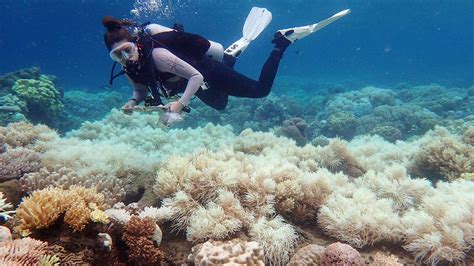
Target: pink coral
pixel 341 254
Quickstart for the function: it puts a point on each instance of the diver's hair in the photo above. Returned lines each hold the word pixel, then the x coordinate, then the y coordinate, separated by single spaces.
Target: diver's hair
pixel 116 31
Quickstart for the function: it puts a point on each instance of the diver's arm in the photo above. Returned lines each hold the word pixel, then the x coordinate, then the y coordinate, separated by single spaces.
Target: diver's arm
pixel 139 91
pixel 166 61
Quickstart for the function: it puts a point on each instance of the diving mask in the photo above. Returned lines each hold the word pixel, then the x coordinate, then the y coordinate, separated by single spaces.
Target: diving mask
pixel 124 52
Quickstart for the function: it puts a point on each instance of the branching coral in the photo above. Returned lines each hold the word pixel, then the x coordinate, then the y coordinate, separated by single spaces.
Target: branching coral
pixel 16 162
pixel 138 237
pixel 43 207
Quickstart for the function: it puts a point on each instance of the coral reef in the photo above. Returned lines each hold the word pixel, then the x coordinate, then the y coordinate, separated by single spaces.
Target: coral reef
pixel 443 156
pixel 25 251
pixel 308 255
pixel 4 213
pixel 138 237
pixel 44 102
pixel 232 252
pixel 294 128
pixel 43 207
pixel 16 162
pixel 341 254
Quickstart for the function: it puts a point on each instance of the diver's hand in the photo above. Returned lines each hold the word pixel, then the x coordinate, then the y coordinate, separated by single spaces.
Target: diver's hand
pixel 129 105
pixel 175 107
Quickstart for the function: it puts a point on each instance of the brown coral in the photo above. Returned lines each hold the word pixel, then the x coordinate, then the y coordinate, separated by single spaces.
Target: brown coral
pixel 138 235
pixel 25 251
pixel 308 255
pixel 341 254
pixel 16 162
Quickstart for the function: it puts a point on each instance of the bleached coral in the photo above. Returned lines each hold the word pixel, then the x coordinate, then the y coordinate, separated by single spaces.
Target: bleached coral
pixel 443 155
pixel 394 184
pixel 112 188
pixel 233 252
pixel 442 229
pixel 360 219
pixel 24 134
pixel 277 238
pixel 16 162
pixel 4 214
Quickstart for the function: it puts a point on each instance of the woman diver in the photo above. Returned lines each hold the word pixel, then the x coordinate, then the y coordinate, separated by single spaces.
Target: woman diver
pixel 163 61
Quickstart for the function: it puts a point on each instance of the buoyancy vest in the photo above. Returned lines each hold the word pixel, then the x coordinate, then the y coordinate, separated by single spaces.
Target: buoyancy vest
pixel 187 46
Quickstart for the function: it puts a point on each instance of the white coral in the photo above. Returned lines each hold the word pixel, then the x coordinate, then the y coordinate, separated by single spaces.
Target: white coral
pixel 3 208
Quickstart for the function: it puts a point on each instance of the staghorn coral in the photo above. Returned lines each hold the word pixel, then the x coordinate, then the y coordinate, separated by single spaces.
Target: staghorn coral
pixel 341 254
pixel 43 207
pixel 25 251
pixel 359 219
pixel 443 156
pixel 311 254
pixel 137 235
pixel 16 162
pixel 232 252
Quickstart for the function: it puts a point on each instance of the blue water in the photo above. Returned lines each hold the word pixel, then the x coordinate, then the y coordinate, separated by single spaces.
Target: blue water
pixel 379 43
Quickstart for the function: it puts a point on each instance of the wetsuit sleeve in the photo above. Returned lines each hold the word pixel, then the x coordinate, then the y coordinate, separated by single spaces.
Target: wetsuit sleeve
pixel 139 90
pixel 165 61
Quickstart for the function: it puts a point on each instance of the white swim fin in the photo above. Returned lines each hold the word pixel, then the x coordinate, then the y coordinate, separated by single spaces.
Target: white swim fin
pixel 257 20
pixel 294 34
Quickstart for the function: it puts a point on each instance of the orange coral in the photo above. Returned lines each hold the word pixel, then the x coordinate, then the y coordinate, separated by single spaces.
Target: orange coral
pixel 137 235
pixel 39 210
pixel 43 207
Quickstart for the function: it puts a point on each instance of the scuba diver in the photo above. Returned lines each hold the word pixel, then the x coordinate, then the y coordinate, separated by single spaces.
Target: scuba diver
pixel 161 61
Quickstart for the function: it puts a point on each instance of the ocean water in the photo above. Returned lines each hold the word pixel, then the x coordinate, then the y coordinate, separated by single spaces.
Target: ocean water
pixel 363 151
pixel 379 43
